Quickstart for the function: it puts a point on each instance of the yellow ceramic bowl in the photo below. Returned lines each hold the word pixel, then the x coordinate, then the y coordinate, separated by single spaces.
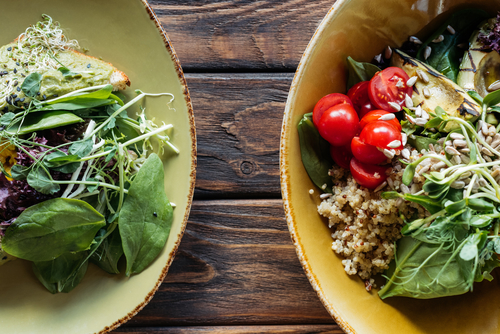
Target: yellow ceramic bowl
pixel 361 29
pixel 127 34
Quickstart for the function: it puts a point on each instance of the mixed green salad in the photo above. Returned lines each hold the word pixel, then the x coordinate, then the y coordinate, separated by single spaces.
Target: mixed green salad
pixel 80 181
pixel 440 98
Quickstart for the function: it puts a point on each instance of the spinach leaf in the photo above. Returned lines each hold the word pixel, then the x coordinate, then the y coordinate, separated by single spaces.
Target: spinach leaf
pixel 41 181
pixel 101 94
pixel 146 216
pixel 315 153
pixel 58 158
pixel 7 118
pixel 31 84
pixel 81 148
pixel 59 275
pixel 51 228
pixel 359 72
pixel 77 105
pixel 19 172
pixel 426 270
pixel 445 55
pixel 109 253
pixel 43 121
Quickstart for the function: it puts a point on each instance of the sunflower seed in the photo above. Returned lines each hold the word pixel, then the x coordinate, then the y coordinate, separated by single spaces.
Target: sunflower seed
pixel 464 150
pixel 378 58
pixel 387 52
pixel 388 153
pixel 390 182
pixel 487 152
pixel 494 86
pixel 458 185
pixel 465 175
pixel 415 40
pixel 406 154
pixel 459 143
pixel 418 111
pixel 456 135
pixel 411 81
pixel 423 76
pixel 394 144
pixel 495 143
pixel 395 106
pixel 457 159
pixel 448 143
pixel 492 131
pixel 427 52
pixel 487 158
pixel 410 119
pixel 408 101
pixel 482 182
pixel 325 195
pixel 438 165
pixel 450 30
pixel 495 173
pixel 380 187
pixel 424 170
pixel 420 121
pixel 404 138
pixel 488 140
pixel 427 93
pixel 438 39
pixel 387 117
pixel 451 150
pixel 404 188
pixel 425 115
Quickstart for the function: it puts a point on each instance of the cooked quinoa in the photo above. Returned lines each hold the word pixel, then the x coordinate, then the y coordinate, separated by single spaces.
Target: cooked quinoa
pixel 365 226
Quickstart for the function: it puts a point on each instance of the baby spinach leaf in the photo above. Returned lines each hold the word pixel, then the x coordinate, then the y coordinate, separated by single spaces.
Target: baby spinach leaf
pixel 7 118
pixel 359 71
pixel 445 55
pixel 31 84
pixel 76 105
pixel 58 158
pixel 81 148
pixel 51 228
pixel 19 172
pixel 42 182
pixel 101 94
pixel 43 121
pixel 315 153
pixel 59 275
pixel 109 253
pixel 146 216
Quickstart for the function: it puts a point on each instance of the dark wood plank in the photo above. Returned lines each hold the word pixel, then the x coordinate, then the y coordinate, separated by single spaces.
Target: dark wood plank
pixel 238 123
pixel 240 34
pixel 236 266
pixel 283 329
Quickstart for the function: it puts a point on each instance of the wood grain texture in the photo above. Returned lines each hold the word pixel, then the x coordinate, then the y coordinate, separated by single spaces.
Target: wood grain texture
pixel 236 266
pixel 238 125
pixel 283 329
pixel 224 35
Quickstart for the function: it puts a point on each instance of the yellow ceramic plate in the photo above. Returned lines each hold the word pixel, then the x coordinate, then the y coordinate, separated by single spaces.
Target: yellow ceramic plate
pixel 361 29
pixel 127 34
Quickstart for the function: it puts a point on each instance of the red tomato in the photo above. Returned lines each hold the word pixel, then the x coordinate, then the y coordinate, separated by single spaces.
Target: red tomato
pixel 384 89
pixel 341 155
pixel 360 99
pixel 374 115
pixel 339 124
pixel 366 175
pixel 380 134
pixel 368 154
pixel 326 103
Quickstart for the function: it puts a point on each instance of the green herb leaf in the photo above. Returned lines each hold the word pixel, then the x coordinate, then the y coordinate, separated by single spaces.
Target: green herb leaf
pixel 31 84
pixel 81 148
pixel 109 253
pixel 92 188
pixel 51 228
pixel 480 204
pixel 359 71
pixel 19 172
pixel 43 121
pixel 7 118
pixel 420 142
pixel 58 158
pixel 492 98
pixel 146 216
pixel 408 174
pixel 478 98
pixel 42 182
pixel 428 203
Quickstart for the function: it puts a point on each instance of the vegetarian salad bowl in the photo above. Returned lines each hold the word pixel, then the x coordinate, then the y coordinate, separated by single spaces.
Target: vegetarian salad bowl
pixel 107 187
pixel 421 86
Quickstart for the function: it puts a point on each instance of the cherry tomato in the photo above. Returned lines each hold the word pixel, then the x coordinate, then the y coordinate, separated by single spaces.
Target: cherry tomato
pixel 342 155
pixel 339 124
pixel 366 153
pixel 326 103
pixel 360 99
pixel 384 88
pixel 366 175
pixel 374 115
pixel 380 134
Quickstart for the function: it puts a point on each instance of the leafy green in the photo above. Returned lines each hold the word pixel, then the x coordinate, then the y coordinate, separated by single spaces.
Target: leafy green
pixel 43 121
pixel 67 73
pixel 41 181
pixel 315 153
pixel 420 142
pixel 19 172
pixel 109 253
pixel 359 71
pixel 7 118
pixel 31 84
pixel 146 217
pixel 81 148
pixel 51 228
pixel 492 98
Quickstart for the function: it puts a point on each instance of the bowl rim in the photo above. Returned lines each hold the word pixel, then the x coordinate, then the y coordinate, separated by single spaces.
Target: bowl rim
pixel 192 176
pixel 284 171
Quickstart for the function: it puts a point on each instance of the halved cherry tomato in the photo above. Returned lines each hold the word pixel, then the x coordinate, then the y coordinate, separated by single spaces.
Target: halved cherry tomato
pixel 366 175
pixel 374 115
pixel 380 134
pixel 326 103
pixel 366 153
pixel 384 88
pixel 360 99
pixel 339 124
pixel 342 155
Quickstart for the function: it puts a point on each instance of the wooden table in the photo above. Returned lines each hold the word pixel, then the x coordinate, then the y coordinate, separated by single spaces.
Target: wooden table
pixel 236 270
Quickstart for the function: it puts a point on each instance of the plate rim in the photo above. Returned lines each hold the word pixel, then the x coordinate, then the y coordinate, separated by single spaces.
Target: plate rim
pixel 284 171
pixel 192 176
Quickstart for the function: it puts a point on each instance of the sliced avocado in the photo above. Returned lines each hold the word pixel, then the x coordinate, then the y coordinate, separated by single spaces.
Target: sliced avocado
pixel 479 68
pixel 443 92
